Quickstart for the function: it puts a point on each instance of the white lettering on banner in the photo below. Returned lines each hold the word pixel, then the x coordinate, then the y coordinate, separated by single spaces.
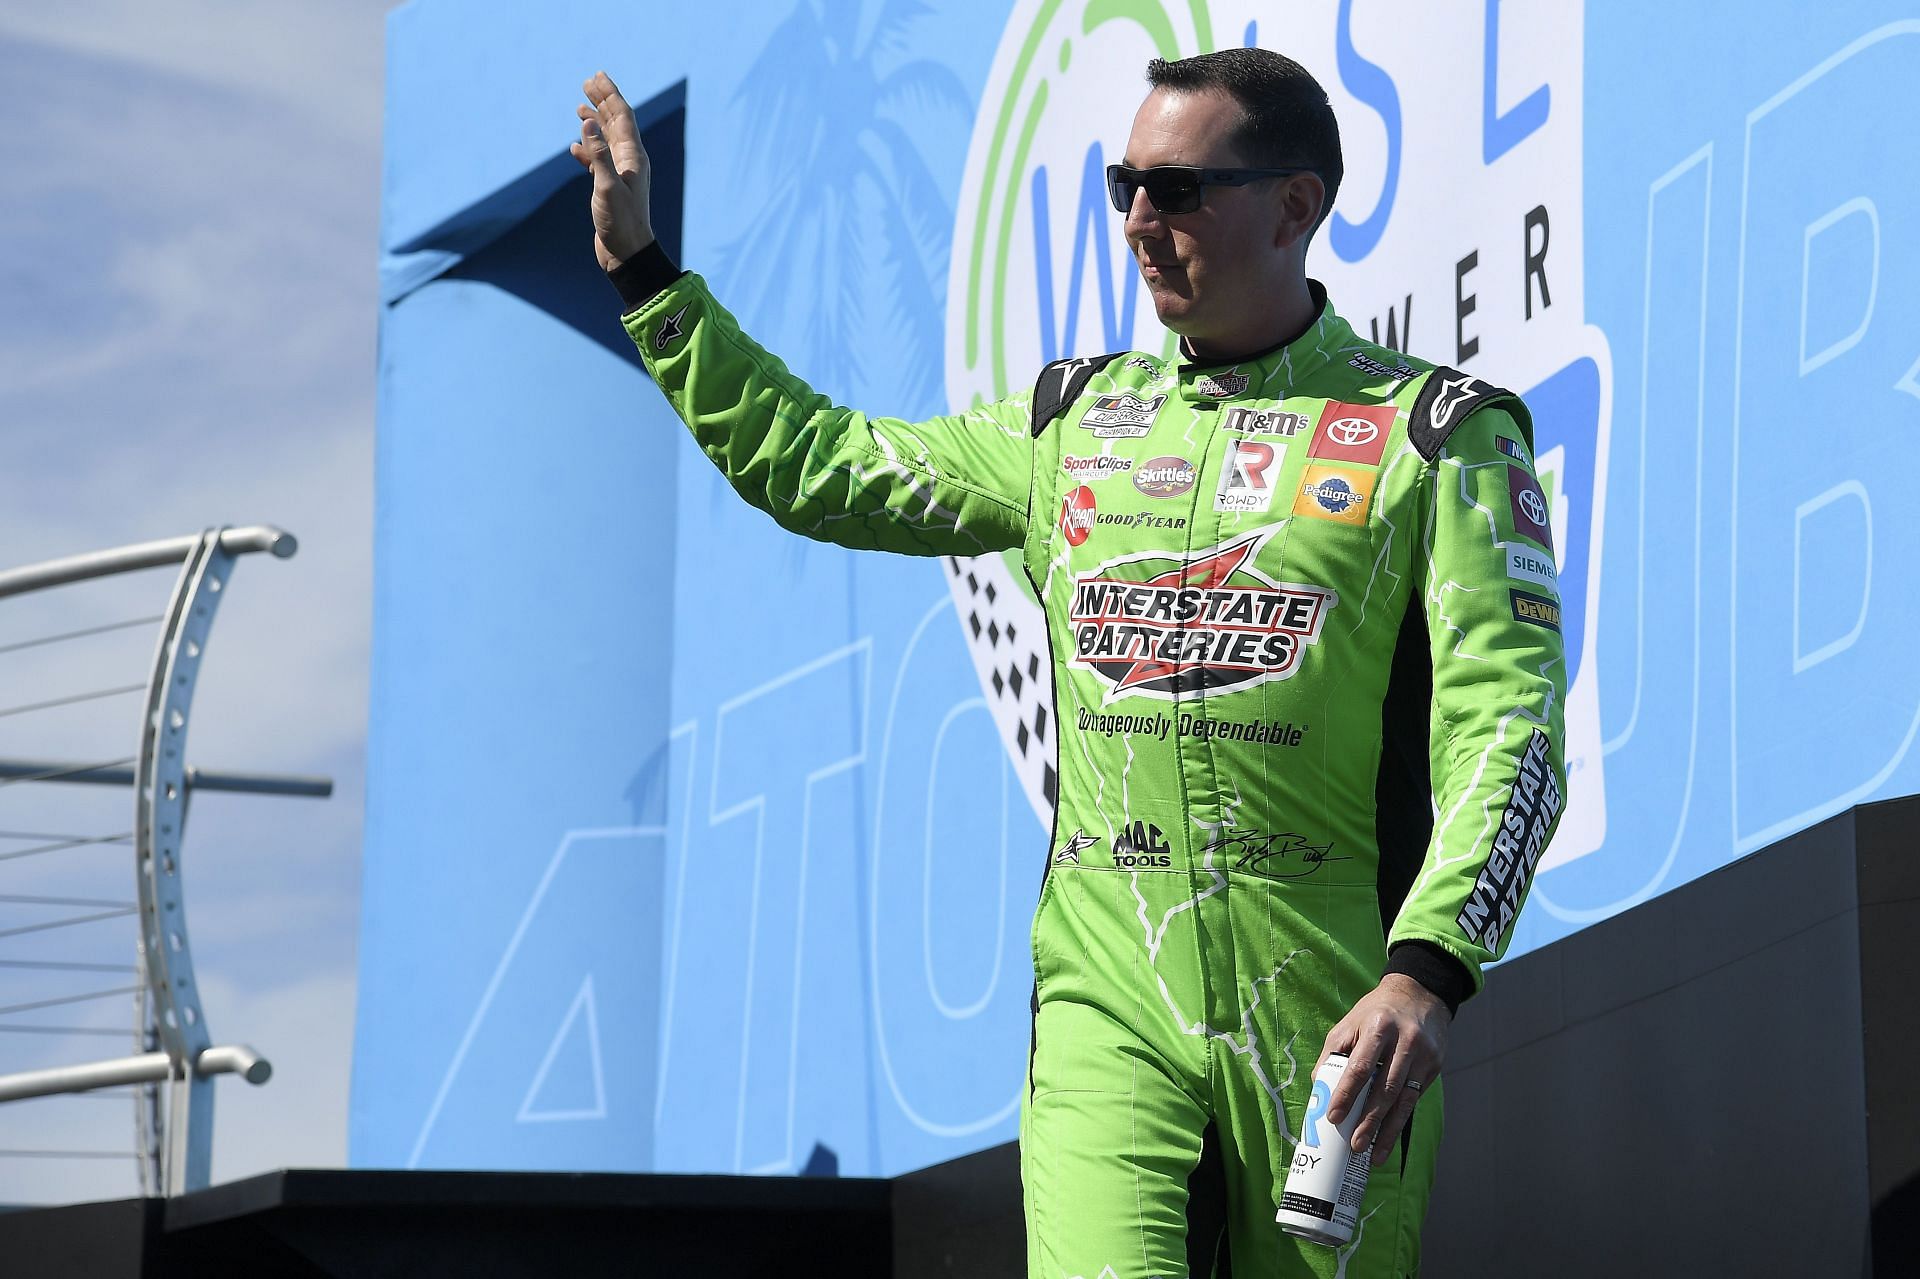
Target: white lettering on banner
pixel 758 913
pixel 1858 207
pixel 1857 492
pixel 946 1083
pixel 560 942
pixel 1673 412
pixel 1835 352
pixel 1471 248
pixel 778 806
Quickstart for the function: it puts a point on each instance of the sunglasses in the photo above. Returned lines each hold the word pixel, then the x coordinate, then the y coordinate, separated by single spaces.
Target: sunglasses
pixel 1176 188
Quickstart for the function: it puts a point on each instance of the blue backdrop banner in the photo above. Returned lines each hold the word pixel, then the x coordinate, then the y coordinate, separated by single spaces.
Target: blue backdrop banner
pixel 692 845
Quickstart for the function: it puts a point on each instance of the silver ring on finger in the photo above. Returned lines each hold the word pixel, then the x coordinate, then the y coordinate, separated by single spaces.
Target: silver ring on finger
pixel 1414 1085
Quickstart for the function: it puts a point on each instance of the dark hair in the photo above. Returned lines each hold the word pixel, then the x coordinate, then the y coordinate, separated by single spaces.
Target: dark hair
pixel 1289 122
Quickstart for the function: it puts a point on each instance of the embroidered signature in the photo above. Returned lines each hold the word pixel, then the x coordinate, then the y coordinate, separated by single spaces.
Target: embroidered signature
pixel 1282 855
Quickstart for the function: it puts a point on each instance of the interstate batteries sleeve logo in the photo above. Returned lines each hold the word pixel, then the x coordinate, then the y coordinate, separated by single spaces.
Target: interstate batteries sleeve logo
pixel 1165 625
pixel 1532 804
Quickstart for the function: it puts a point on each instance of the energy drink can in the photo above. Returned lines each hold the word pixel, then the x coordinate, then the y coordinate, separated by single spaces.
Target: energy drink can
pixel 1321 1201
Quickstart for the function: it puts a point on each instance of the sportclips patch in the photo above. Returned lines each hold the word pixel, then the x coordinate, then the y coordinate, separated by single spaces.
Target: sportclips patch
pixel 1531 807
pixel 1160 624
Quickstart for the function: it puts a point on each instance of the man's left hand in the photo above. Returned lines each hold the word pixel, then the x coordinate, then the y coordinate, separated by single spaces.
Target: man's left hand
pixel 1403 1024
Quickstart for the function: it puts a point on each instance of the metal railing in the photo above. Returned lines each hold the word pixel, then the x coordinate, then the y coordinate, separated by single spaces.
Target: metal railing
pixel 174 1134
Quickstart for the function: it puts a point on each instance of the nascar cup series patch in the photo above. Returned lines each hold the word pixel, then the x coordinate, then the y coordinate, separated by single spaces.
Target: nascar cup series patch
pixel 1122 417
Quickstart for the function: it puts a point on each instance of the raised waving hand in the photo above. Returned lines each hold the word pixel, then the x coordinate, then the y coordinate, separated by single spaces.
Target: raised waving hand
pixel 610 149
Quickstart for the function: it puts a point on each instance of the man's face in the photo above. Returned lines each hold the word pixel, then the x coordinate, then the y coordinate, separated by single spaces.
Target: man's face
pixel 1207 268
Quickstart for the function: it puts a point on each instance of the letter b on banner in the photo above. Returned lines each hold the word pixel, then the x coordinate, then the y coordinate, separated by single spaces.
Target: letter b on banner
pixel 1825 529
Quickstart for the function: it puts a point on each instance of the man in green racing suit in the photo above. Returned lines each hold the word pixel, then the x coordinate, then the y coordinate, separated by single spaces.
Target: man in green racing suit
pixel 1308 679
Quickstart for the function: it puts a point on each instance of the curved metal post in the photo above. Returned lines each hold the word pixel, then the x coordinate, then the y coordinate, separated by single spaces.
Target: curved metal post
pixel 171 1041
pixel 160 797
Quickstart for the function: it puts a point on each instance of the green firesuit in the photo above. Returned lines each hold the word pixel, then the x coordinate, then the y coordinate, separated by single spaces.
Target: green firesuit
pixel 1308 695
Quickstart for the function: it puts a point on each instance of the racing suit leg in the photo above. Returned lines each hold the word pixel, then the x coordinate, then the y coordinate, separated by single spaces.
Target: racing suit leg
pixel 1116 1115
pixel 1302 956
pixel 1108 1143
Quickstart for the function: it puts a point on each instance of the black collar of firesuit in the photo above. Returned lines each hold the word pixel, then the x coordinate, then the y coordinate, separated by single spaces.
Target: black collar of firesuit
pixel 1218 381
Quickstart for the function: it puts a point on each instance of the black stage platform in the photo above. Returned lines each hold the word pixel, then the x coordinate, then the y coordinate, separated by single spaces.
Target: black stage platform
pixel 425 1225
pixel 1717 1082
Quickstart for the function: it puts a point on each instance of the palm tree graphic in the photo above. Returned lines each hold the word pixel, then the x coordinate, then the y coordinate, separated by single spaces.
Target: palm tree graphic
pixel 851 203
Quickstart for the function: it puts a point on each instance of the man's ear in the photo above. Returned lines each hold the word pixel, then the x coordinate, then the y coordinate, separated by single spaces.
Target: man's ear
pixel 1302 197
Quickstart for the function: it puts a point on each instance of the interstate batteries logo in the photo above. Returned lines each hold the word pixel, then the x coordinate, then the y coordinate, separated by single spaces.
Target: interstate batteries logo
pixel 1164 625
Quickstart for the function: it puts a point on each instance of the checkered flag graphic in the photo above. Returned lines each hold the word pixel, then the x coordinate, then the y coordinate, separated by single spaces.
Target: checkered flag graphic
pixel 1006 634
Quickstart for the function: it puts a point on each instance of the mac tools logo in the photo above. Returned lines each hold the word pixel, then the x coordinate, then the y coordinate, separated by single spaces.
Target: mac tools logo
pixel 1457 238
pixel 1165 625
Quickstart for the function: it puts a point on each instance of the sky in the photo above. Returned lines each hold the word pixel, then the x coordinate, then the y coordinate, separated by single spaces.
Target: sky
pixel 188 316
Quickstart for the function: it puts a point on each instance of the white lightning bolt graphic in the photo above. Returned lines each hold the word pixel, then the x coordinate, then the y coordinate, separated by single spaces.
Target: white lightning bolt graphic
pixel 1346 1253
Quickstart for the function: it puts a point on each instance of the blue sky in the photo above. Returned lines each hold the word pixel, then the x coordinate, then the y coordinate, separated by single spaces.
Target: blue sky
pixel 188 308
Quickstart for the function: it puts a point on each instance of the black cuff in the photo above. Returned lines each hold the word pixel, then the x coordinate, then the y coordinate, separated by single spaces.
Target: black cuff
pixel 1433 968
pixel 641 277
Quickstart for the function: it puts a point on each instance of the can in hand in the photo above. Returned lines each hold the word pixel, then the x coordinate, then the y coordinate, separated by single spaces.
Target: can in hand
pixel 1321 1201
